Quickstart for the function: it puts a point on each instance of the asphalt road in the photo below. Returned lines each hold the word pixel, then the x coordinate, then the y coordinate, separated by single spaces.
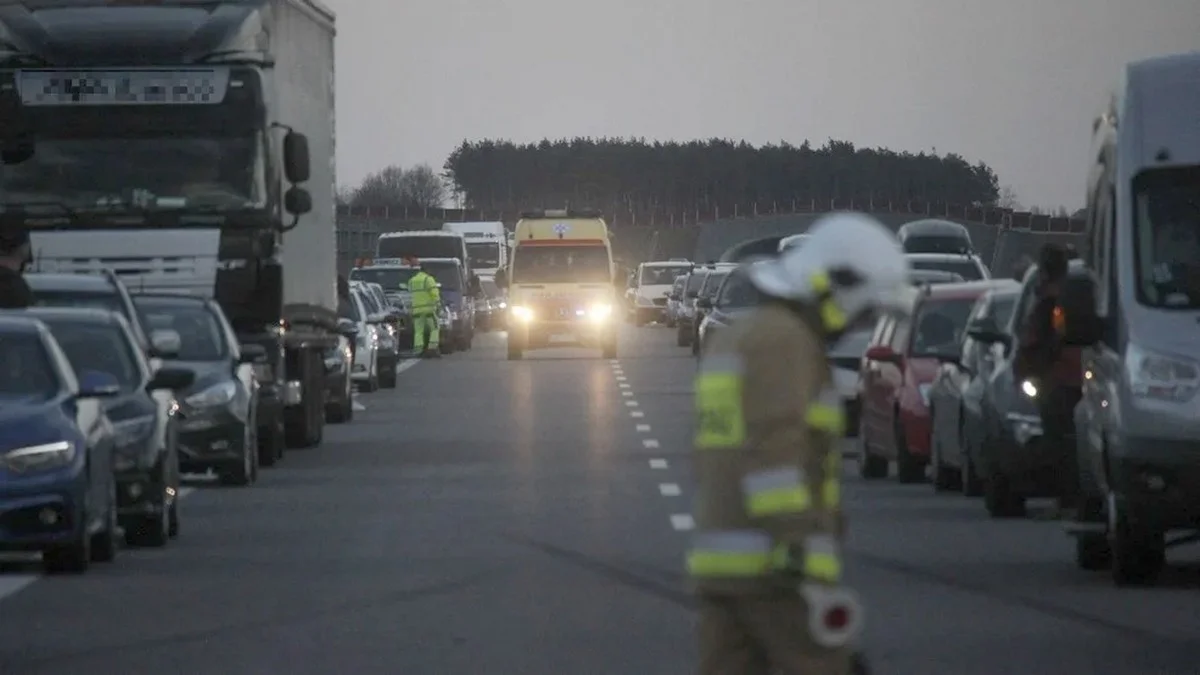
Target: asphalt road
pixel 529 518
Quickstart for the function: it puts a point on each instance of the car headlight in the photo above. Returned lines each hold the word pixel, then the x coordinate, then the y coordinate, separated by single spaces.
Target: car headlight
pixel 599 312
pixel 1029 389
pixel 923 390
pixel 503 305
pixel 1161 377
pixel 218 394
pixel 133 431
pixel 39 457
pixel 521 313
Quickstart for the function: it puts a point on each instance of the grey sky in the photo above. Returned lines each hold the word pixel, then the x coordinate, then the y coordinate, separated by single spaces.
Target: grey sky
pixel 1013 83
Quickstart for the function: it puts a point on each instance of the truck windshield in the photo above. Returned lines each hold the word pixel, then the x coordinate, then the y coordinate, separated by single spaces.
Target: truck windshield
pixel 419 246
pixel 157 172
pixel 662 276
pixel 586 264
pixel 1167 237
pixel 391 278
pixel 484 254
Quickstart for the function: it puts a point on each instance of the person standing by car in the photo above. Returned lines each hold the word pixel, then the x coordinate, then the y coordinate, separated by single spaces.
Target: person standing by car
pixel 1054 368
pixel 766 558
pixel 15 256
pixel 426 299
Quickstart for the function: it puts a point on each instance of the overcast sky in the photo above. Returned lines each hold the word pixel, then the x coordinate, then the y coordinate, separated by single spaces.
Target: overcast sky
pixel 1014 83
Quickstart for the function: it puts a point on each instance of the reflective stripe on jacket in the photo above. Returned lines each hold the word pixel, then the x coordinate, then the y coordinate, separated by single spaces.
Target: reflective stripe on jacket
pixel 425 294
pixel 767 506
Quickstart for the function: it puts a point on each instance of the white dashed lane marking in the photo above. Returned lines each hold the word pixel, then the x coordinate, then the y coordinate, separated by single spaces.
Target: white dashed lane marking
pixel 658 464
pixel 682 522
pixel 643 428
pixel 649 443
pixel 631 404
pixel 627 393
pixel 669 490
pixel 637 413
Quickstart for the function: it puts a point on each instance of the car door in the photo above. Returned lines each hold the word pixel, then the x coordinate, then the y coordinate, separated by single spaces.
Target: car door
pixel 958 382
pixel 870 373
pixel 242 372
pixel 891 381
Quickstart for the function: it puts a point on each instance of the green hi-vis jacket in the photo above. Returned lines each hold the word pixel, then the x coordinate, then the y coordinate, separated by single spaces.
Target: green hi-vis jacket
pixel 767 507
pixel 425 294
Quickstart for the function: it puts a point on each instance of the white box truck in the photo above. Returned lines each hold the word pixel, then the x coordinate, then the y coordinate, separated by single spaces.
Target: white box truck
pixel 487 245
pixel 190 149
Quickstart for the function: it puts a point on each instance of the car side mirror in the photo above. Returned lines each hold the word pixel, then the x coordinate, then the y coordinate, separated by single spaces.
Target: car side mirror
pixel 985 330
pixel 296 164
pixel 98 384
pixel 704 303
pixel 171 378
pixel 297 201
pixel 165 343
pixel 501 279
pixel 347 327
pixel 252 353
pixel 883 354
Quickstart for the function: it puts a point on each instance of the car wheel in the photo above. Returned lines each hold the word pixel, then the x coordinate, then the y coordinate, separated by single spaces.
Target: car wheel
pixel 1000 499
pixel 1138 554
pixel 972 485
pixel 243 473
pixel 154 530
pixel 72 558
pixel 104 542
pixel 683 336
pixel 270 444
pixel 909 469
pixel 372 381
pixel 870 467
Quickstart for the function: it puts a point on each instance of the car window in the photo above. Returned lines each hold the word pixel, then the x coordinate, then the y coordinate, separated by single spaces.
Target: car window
pixel 95 346
pixel 712 283
pixel 107 301
pixel 661 276
pixel 695 281
pixel 26 373
pixel 737 293
pixel 966 268
pixel 201 336
pixel 939 326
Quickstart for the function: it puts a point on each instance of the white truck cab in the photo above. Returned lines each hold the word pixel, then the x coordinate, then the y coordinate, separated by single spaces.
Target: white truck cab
pixel 487 245
pixel 651 285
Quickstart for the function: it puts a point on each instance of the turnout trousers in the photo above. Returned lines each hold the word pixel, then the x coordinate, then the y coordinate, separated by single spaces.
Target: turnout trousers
pixel 423 323
pixel 763 635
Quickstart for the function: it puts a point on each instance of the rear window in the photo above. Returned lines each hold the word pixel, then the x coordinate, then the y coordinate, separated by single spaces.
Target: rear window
pixel 936 243
pixel 90 300
pixel 938 326
pixel 695 280
pixel 963 267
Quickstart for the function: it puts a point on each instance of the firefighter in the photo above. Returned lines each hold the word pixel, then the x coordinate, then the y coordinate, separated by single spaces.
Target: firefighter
pixel 1056 371
pixel 15 256
pixel 426 299
pixel 765 558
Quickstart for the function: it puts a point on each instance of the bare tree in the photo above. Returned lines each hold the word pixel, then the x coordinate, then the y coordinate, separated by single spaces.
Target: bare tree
pixel 422 187
pixel 344 195
pixel 1008 199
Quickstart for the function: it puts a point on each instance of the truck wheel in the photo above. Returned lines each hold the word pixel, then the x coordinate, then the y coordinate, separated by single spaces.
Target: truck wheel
pixel 1138 554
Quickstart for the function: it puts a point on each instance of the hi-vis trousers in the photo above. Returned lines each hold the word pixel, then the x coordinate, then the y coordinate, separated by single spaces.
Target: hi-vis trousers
pixel 763 635
pixel 421 324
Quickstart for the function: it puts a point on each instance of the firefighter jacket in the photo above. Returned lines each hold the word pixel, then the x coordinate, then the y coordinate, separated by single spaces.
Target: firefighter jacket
pixel 767 507
pixel 425 294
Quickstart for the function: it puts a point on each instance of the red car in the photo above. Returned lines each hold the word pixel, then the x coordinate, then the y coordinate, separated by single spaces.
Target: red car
pixel 896 374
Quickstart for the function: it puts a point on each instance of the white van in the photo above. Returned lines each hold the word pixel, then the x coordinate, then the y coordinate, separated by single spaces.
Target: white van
pixel 1138 422
pixel 487 245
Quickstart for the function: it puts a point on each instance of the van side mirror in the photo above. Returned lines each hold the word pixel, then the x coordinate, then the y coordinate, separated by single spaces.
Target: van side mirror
pixel 297 201
pixel 296 165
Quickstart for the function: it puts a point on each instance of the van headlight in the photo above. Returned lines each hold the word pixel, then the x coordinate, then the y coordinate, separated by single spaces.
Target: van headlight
pixel 42 457
pixel 218 394
pixel 1161 377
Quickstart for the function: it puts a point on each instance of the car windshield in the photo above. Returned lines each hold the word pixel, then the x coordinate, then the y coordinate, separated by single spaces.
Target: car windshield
pixel 87 299
pixel 157 172
pixel 1167 238
pixel 662 276
pixel 391 278
pixel 737 293
pixel 565 264
pixel 102 347
pixel 939 326
pixel 368 300
pixel 483 255
pixel 711 283
pixel 25 370
pixel 963 267
pixel 1002 308
pixel 201 336
pixel 447 274
pixel 918 277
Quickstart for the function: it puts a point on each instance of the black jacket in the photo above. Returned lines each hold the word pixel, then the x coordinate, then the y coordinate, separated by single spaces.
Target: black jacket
pixel 14 291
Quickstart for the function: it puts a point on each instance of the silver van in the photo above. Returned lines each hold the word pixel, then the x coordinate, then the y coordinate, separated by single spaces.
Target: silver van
pixel 1138 423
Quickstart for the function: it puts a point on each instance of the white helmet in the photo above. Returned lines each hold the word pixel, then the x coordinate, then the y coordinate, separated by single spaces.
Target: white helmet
pixel 849 259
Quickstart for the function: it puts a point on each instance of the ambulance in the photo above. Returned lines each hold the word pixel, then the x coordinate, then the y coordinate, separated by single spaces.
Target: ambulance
pixel 560 283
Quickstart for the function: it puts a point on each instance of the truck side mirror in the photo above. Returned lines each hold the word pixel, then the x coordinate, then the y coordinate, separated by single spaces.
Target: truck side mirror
pixel 501 279
pixel 296 165
pixel 297 201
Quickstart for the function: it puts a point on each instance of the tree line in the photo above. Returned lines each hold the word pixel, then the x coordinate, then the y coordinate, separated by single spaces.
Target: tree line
pixel 639 175
pixel 396 187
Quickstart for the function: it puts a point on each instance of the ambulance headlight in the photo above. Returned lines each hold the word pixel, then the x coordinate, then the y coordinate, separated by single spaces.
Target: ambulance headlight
pixel 521 313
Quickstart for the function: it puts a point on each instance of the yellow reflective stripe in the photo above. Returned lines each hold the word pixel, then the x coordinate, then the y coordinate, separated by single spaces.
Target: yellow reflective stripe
pixel 832 316
pixel 776 491
pixel 821 559
pixel 831 487
pixel 721 422
pixel 733 553
pixel 825 414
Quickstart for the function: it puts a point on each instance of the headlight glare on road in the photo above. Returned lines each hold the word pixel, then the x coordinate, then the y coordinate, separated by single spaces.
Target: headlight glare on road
pixel 40 457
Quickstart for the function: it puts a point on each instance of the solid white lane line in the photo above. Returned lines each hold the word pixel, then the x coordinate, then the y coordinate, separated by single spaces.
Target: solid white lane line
pixel 650 443
pixel 669 490
pixel 406 364
pixel 631 404
pixel 658 464
pixel 11 583
pixel 643 428
pixel 682 522
pixel 636 413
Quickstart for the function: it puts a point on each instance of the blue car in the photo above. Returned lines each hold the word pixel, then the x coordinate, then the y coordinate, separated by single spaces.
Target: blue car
pixel 57 486
pixel 143 413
